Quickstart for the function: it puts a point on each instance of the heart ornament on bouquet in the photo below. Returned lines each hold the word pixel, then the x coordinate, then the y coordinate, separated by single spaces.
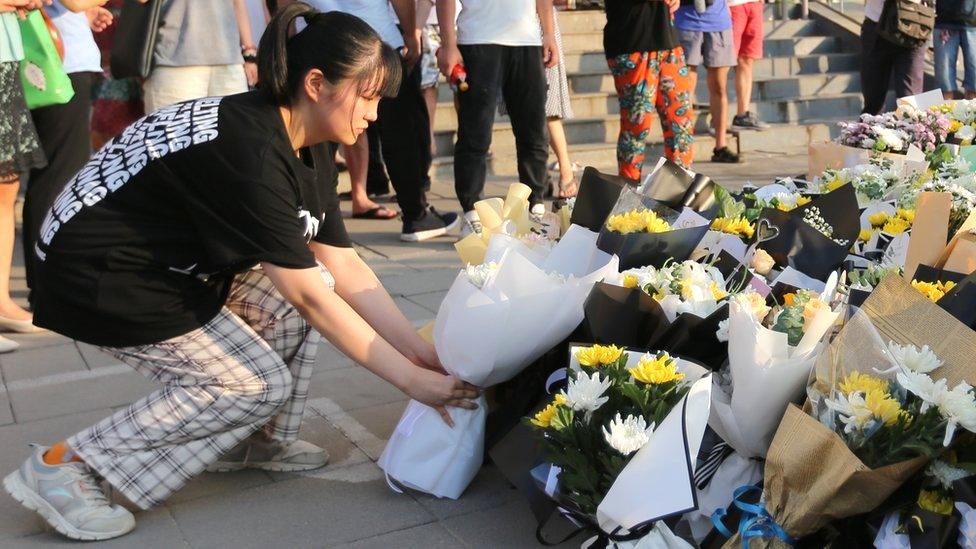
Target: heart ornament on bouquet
pixel 766 231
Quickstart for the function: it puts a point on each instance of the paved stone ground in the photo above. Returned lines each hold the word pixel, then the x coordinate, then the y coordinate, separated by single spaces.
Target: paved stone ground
pixel 54 387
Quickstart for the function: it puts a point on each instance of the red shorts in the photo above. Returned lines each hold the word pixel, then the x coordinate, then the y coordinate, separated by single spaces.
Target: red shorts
pixel 747 29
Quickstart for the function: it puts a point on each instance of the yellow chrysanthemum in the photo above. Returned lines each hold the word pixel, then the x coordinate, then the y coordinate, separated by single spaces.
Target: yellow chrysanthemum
pixel 738 226
pixel 834 184
pixel 599 355
pixel 636 221
pixel 656 370
pixel 954 126
pixel 803 201
pixel 878 219
pixel 718 293
pixel 883 406
pixel 856 382
pixel 907 215
pixel 865 235
pixel 544 417
pixel 933 290
pixel 630 281
pixel 896 225
pixel 933 501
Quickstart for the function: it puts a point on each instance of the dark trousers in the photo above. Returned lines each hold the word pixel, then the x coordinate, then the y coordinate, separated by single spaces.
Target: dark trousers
pixel 65 135
pixel 377 181
pixel 404 126
pixel 518 74
pixel 883 64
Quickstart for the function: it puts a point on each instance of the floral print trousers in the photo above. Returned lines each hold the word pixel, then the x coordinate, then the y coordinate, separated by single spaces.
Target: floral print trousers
pixel 645 82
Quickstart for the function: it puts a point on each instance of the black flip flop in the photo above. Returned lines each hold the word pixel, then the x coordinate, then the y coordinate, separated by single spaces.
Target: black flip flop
pixel 374 214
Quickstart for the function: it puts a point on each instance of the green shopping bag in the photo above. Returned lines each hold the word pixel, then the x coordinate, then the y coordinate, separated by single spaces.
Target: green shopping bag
pixel 41 72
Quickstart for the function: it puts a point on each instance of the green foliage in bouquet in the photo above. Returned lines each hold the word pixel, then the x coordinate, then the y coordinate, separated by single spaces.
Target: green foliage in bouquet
pixel 592 429
pixel 797 307
pixel 873 275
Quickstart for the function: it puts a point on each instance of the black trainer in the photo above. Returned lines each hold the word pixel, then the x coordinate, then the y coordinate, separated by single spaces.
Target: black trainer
pixel 430 225
pixel 725 156
pixel 748 121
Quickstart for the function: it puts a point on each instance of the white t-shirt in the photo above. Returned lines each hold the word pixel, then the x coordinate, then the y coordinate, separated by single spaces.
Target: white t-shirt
pixel 80 51
pixel 872 9
pixel 378 14
pixel 502 22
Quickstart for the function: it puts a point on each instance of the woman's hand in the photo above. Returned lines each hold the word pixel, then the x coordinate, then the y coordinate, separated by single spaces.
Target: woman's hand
pixel 440 391
pixel 673 5
pixel 99 19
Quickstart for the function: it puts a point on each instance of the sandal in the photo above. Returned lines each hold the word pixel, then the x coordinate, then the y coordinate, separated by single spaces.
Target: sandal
pixel 379 212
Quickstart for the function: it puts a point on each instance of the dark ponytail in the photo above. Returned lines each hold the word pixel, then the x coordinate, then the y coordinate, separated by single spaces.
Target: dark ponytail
pixel 340 45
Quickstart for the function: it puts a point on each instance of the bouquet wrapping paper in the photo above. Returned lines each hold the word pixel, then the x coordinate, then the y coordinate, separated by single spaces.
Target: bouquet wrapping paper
pixel 485 336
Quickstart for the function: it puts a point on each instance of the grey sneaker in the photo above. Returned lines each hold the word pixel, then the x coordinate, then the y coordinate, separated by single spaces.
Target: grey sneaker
pixel 254 453
pixel 748 121
pixel 471 224
pixel 69 498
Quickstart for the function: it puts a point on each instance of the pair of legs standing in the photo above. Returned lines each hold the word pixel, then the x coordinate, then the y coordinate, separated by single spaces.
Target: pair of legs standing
pixel 517 74
pixel 948 42
pixel 882 63
pixel 747 35
pixel 715 50
pixel 647 82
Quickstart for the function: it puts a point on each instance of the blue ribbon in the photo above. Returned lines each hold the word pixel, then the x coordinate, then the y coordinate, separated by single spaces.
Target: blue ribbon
pixel 756 522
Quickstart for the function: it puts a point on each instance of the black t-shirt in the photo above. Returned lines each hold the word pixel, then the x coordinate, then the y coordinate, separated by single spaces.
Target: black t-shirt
pixel 638 26
pixel 142 244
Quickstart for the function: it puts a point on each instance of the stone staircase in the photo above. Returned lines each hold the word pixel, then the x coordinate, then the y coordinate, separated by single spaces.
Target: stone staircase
pixel 806 82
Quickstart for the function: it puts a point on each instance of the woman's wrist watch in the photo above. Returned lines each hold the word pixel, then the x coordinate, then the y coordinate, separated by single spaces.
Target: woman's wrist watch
pixel 249 53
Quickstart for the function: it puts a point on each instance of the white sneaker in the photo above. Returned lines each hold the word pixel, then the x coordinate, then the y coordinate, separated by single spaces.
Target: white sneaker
pixel 8 345
pixel 69 498
pixel 471 225
pixel 537 212
pixel 253 453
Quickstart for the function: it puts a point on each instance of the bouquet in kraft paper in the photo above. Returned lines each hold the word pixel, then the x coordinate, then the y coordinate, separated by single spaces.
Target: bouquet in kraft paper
pixel 883 402
pixel 495 319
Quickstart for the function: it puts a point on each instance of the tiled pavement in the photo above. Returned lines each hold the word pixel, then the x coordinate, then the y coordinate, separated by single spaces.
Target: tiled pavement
pixel 53 387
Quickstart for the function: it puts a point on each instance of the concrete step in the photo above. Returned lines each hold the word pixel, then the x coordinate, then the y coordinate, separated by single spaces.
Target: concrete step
pixel 776 87
pixel 765 87
pixel 580 36
pixel 603 155
pixel 594 110
pixel 587 20
pixel 596 61
pixel 781 46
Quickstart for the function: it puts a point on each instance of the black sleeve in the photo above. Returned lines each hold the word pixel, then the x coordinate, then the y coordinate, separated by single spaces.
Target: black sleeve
pixel 333 230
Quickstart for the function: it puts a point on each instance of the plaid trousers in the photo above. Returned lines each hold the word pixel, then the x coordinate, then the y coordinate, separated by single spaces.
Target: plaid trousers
pixel 248 368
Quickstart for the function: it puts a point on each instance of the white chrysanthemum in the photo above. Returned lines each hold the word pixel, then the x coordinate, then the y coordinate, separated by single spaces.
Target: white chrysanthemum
pixel 966 133
pixel 479 275
pixel 946 474
pixel 626 435
pixel 851 410
pixel 585 393
pixel 912 358
pixel 893 139
pixel 722 334
pixel 957 406
pixel 787 200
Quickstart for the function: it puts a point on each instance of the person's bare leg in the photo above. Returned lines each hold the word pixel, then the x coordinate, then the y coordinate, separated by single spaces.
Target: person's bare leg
pixel 743 85
pixel 8 197
pixel 357 161
pixel 430 98
pixel 557 140
pixel 718 102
